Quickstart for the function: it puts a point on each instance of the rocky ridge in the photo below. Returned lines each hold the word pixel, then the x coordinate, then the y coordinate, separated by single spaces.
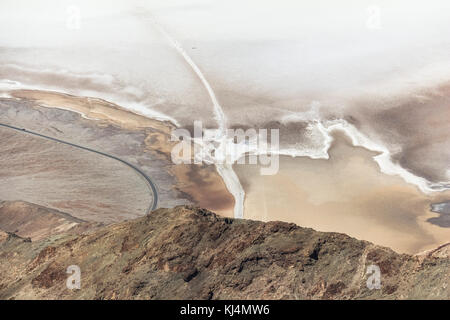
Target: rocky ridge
pixel 191 253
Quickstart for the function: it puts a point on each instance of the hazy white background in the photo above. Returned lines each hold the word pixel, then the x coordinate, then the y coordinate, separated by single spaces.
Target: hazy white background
pixel 270 53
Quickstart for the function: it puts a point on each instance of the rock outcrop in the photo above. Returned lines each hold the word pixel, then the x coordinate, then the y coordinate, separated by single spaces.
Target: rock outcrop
pixel 191 253
pixel 33 221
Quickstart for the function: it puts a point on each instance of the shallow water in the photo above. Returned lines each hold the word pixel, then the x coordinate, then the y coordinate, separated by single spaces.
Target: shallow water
pixel 289 65
pixel 348 194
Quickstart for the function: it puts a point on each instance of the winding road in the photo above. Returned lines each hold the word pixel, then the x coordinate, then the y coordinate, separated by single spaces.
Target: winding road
pixel 147 179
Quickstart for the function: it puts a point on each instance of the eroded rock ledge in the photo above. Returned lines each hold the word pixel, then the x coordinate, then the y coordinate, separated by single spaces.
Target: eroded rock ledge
pixel 191 253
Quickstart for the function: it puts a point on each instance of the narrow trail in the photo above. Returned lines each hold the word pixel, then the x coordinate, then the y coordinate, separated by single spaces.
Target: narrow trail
pixel 152 187
pixel 225 170
pixel 218 111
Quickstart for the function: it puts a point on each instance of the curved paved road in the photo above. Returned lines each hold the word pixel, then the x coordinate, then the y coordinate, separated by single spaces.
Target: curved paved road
pixel 149 182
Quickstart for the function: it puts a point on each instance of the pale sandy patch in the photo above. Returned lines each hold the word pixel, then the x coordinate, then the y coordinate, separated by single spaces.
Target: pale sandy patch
pixel 92 108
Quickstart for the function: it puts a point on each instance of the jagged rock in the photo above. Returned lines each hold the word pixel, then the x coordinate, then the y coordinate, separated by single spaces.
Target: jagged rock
pixel 190 253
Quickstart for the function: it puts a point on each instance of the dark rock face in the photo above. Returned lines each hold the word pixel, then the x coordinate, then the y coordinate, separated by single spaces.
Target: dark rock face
pixel 190 253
